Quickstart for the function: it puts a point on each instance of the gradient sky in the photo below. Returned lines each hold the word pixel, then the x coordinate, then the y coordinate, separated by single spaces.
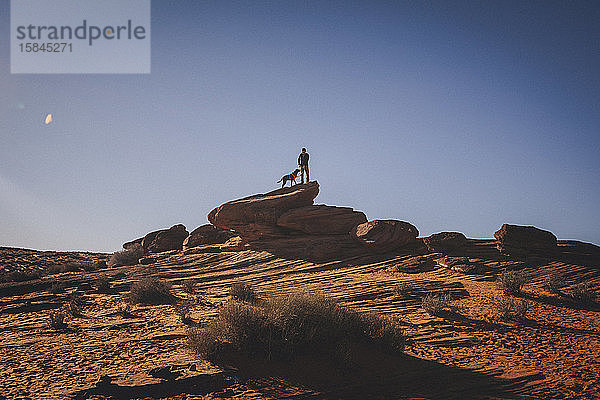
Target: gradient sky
pixel 457 116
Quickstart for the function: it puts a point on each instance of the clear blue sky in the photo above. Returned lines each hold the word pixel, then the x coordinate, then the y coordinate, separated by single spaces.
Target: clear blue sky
pixel 456 116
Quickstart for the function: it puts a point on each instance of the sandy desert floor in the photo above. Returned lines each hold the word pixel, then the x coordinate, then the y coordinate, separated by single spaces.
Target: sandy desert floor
pixel 469 353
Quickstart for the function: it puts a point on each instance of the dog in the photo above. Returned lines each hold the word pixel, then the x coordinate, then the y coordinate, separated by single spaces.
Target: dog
pixel 289 177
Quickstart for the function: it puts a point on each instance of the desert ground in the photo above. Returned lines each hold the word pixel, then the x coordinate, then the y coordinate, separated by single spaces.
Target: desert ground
pixel 111 349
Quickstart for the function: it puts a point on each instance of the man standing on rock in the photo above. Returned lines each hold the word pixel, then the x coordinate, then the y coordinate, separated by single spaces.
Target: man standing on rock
pixel 303 164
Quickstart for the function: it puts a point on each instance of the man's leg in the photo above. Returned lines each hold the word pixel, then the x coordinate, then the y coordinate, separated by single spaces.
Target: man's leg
pixel 302 174
pixel 307 178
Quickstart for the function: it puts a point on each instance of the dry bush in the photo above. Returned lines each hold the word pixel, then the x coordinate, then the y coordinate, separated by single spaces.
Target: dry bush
pixel 183 310
pixel 189 286
pixel 57 320
pixel 436 303
pixel 284 327
pixel 129 256
pixel 66 267
pixel 57 287
pixel 511 282
pixel 124 310
pixel 151 291
pixel 403 289
pixel 583 293
pixel 94 266
pixel 75 305
pixel 243 292
pixel 102 284
pixel 19 276
pixel 509 308
pixel 554 283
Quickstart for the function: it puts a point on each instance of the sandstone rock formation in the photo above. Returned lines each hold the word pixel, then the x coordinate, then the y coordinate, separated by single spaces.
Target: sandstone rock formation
pixel 384 235
pixel 236 243
pixel 415 265
pixel 321 219
pixel 137 241
pixel 458 264
pixel 165 239
pixel 310 247
pixel 207 234
pixel 525 241
pixel 286 223
pixel 256 216
pixel 445 242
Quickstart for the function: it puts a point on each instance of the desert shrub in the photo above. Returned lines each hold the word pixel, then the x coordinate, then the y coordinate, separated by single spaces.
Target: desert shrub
pixel 509 308
pixel 57 320
pixel 403 289
pixel 284 327
pixel 94 265
pixel 243 292
pixel 102 284
pixel 151 291
pixel 383 330
pixel 183 310
pixel 57 287
pixel 583 293
pixel 75 305
pixel 189 286
pixel 90 267
pixel 511 282
pixel 124 310
pixel 553 283
pixel 19 276
pixel 436 303
pixel 66 267
pixel 129 256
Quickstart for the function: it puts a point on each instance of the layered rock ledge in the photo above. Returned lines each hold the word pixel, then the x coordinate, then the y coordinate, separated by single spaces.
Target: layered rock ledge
pixel 287 223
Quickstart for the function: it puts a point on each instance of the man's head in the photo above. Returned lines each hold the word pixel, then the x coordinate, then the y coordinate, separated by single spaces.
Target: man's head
pixel 304 150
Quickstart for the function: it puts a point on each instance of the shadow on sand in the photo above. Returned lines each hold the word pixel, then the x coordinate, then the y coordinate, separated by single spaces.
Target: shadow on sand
pixel 195 385
pixel 373 374
pixel 370 374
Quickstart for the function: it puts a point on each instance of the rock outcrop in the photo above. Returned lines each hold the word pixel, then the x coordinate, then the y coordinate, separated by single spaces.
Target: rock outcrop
pixel 310 247
pixel 384 235
pixel 135 242
pixel 255 217
pixel 321 220
pixel 286 223
pixel 207 234
pixel 525 241
pixel 415 265
pixel 236 243
pixel 458 264
pixel 445 242
pixel 165 239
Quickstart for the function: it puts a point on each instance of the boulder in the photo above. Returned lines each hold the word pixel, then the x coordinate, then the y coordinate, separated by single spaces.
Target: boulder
pixel 236 243
pixel 256 216
pixel 445 242
pixel 146 260
pixel 137 241
pixel 207 234
pixel 384 235
pixel 525 241
pixel 414 265
pixel 165 239
pixel 458 264
pixel 321 219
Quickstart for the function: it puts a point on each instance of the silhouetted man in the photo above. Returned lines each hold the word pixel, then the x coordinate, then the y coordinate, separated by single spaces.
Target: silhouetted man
pixel 303 164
